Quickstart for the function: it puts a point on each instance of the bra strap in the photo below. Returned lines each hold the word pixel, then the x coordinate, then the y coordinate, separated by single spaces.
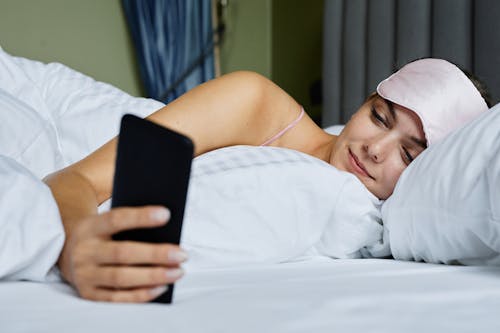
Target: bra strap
pixel 283 131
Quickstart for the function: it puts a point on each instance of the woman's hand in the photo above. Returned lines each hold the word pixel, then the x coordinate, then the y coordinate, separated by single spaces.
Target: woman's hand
pixel 102 269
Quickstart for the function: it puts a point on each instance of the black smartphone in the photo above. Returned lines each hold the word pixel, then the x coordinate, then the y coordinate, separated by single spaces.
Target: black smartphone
pixel 153 165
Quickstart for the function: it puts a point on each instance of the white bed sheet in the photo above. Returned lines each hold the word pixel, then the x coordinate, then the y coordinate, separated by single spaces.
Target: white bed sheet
pixel 320 295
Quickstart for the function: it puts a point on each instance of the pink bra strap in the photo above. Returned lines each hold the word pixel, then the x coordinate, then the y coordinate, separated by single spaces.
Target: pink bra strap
pixel 283 131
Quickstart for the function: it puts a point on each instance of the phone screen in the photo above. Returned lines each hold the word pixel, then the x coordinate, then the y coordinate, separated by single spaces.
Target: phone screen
pixel 153 165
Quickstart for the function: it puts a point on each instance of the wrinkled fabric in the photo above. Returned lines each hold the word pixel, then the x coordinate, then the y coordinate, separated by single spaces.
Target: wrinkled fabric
pixel 266 205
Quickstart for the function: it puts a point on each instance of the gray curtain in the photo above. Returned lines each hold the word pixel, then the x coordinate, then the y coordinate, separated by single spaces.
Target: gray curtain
pixel 366 40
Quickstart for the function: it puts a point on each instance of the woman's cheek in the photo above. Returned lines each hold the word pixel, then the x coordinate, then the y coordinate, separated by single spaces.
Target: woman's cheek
pixel 393 176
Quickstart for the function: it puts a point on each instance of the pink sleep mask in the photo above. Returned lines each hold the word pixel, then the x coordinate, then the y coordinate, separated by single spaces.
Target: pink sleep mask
pixel 438 92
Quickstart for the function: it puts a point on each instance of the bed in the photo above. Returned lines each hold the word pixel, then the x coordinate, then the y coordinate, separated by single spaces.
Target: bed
pixel 312 292
pixel 314 295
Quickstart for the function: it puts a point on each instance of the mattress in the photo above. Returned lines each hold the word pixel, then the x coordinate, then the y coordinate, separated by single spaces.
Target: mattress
pixel 313 295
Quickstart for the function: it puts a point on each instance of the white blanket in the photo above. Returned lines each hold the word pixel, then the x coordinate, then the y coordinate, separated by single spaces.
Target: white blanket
pixel 31 232
pixel 263 205
pixel 50 116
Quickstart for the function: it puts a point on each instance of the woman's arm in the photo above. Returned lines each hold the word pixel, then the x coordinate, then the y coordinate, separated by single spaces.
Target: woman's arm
pixel 239 108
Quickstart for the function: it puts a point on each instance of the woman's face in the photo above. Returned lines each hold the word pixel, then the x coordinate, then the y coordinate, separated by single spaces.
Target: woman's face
pixel 378 143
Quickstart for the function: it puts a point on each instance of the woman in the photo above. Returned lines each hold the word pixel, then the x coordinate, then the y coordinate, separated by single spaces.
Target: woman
pixel 415 107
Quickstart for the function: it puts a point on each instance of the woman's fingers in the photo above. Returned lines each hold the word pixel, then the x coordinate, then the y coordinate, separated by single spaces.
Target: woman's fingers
pixel 139 295
pixel 136 253
pixel 134 277
pixel 120 271
pixel 125 218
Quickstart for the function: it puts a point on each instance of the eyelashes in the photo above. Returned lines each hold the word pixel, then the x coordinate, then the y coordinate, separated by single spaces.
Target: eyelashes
pixel 378 117
pixel 406 156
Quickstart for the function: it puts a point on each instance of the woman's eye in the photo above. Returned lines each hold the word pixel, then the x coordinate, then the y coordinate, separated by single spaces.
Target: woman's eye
pixel 407 156
pixel 378 117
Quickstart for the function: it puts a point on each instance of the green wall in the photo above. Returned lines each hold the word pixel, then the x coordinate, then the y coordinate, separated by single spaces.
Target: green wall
pixel 88 35
pixel 297 32
pixel 280 39
pixel 247 45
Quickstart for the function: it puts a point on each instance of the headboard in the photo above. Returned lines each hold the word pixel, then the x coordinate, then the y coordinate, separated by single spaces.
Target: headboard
pixel 365 41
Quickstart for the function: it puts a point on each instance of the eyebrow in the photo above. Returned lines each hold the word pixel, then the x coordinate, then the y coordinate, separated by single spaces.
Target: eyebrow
pixel 390 106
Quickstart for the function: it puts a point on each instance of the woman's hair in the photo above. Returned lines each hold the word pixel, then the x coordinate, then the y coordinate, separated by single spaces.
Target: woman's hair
pixel 480 86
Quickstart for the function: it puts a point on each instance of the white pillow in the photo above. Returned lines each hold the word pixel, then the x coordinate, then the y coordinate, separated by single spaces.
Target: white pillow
pixel 334 129
pixel 31 232
pixel 446 205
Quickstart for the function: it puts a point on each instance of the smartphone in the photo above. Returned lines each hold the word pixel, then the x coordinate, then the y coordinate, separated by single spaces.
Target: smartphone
pixel 153 165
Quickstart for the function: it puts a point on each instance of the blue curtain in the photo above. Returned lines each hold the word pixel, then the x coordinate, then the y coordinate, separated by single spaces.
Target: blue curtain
pixel 171 37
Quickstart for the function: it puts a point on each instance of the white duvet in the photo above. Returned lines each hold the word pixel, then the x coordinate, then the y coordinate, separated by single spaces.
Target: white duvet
pixel 264 205
pixel 31 232
pixel 50 116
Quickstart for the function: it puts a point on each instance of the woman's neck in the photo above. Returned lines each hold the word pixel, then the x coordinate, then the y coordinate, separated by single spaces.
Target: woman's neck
pixel 324 148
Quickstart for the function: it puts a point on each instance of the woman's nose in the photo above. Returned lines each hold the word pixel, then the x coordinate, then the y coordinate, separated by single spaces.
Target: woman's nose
pixel 377 148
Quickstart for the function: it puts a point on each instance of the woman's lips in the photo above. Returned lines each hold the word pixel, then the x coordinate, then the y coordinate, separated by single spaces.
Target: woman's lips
pixel 358 166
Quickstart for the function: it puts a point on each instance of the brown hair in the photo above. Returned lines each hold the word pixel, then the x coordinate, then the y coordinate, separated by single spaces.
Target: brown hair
pixel 480 86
